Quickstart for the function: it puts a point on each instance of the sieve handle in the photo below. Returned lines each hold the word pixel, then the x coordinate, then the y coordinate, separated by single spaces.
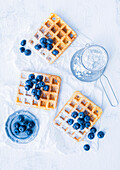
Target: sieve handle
pixel 107 87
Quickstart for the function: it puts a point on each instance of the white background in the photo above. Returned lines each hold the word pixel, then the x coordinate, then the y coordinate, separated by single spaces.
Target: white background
pixel 99 20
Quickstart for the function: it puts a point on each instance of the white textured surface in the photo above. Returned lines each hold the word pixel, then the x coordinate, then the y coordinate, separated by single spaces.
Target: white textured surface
pixel 100 20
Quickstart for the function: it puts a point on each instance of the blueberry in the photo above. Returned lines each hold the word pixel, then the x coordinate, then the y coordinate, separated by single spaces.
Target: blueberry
pixel 87 124
pixel 81 115
pixel 100 134
pixel 76 126
pixel 82 126
pixel 74 114
pixel 27 52
pixel 16 131
pixel 39 78
pixel 25 122
pixel 23 42
pixel 86 147
pixel 70 121
pixel 43 40
pixel 49 41
pixel 31 124
pixel 34 81
pixel 46 88
pixel 22 49
pixel 16 125
pixel 21 118
pixel 37 86
pixel 55 52
pixel 37 97
pixel 39 92
pixel 91 136
pixel 49 47
pixel 34 92
pixel 22 128
pixel 87 118
pixel 93 130
pixel 38 46
pixel 41 84
pixel 44 45
pixel 31 76
pixel 29 83
pixel 29 131
pixel 80 121
pixel 27 88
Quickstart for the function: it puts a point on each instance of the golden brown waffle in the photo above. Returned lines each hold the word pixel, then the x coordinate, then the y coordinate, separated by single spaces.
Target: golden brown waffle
pixel 55 28
pixel 78 102
pixel 48 99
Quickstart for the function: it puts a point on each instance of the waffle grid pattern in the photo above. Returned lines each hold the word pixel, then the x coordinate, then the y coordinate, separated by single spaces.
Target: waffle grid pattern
pixel 54 27
pixel 79 103
pixel 48 99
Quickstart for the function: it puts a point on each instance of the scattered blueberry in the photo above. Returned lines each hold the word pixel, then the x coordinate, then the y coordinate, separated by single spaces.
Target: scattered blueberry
pixel 31 124
pixel 39 92
pixel 49 41
pixel 87 124
pixel 29 131
pixel 34 81
pixel 16 125
pixel 16 131
pixel 41 84
pixel 21 118
pixel 82 126
pixel 37 97
pixel 34 92
pixel 91 135
pixel 29 83
pixel 49 47
pixel 81 115
pixel 74 114
pixel 43 40
pixel 80 121
pixel 70 121
pixel 55 52
pixel 22 49
pixel 76 126
pixel 27 88
pixel 100 134
pixel 23 42
pixel 27 52
pixel 39 78
pixel 22 128
pixel 86 147
pixel 37 86
pixel 93 130
pixel 31 76
pixel 46 88
pixel 44 45
pixel 38 46
pixel 87 118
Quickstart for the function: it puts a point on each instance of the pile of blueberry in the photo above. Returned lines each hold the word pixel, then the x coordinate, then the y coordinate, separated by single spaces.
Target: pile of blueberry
pixel 23 126
pixel 82 122
pixel 46 43
pixel 37 84
pixel 27 52
pixel 91 136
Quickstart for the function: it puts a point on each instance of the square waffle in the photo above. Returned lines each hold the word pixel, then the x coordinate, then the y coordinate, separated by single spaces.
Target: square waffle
pixel 78 102
pixel 48 99
pixel 55 28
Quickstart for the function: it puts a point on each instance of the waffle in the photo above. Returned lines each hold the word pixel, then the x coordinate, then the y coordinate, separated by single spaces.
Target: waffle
pixel 78 102
pixel 48 99
pixel 55 28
